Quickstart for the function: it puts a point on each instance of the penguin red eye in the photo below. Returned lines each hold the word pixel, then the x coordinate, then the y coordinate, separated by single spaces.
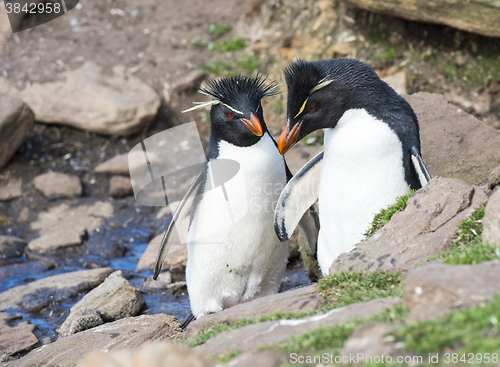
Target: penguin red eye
pixel 312 109
pixel 230 115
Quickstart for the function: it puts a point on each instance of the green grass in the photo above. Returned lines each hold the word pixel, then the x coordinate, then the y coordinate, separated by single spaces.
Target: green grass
pixel 473 330
pixel 218 68
pixel 347 288
pixel 232 45
pixel 219 29
pixel 224 358
pixel 331 339
pixel 249 63
pixel 467 246
pixel 385 215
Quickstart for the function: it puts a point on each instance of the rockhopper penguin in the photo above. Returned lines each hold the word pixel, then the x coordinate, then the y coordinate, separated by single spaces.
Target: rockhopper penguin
pixel 371 151
pixel 234 254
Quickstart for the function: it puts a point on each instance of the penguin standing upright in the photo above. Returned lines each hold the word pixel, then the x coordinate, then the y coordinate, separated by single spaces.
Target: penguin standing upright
pixel 233 252
pixel 371 151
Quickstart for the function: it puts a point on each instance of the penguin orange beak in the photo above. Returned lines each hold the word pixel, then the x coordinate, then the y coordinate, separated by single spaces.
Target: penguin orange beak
pixel 254 125
pixel 288 138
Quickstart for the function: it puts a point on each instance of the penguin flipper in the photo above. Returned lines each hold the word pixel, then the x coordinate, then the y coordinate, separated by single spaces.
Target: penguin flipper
pixel 422 172
pixel 182 210
pixel 299 194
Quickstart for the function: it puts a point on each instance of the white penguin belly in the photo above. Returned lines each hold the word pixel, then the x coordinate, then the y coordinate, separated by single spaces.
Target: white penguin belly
pixel 234 254
pixel 362 173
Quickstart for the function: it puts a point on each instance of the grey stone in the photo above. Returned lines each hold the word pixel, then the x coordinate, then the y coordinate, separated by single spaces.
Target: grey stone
pixel 478 16
pixel 80 320
pixel 11 247
pixel 56 185
pixel 114 299
pixel 36 295
pixel 129 333
pixel 304 299
pixel 113 104
pixel 10 191
pixel 16 121
pixel 176 257
pixel 267 358
pixel 421 231
pixel 455 143
pixel 120 186
pixel 64 226
pixel 434 289
pixel 252 337
pixel 491 220
pixel 163 281
pixel 16 338
pixel 116 165
pixel 158 354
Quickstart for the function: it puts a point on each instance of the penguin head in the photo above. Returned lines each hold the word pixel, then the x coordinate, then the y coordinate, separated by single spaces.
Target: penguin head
pixel 236 114
pixel 320 92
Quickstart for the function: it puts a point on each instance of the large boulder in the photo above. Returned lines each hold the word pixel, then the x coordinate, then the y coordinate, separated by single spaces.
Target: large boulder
pixel 160 354
pixel 112 300
pixel 16 121
pixel 89 99
pixel 455 143
pixel 37 295
pixel 478 16
pixel 131 332
pixel 421 231
pixel 434 289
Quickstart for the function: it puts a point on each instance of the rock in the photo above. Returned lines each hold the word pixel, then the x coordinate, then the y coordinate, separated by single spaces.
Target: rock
pixel 58 240
pixel 16 121
pixel 304 299
pixel 177 254
pixel 89 99
pixel 493 180
pixel 397 82
pixel 36 295
pixel 5 29
pixel 129 333
pixel 434 289
pixel 491 220
pixel 116 165
pixel 15 338
pixel 164 281
pixel 189 82
pixel 80 320
pixel 368 341
pixel 64 226
pixel 120 186
pixel 55 185
pixel 267 358
pixel 11 247
pixel 454 143
pixel 12 190
pixel 112 300
pixel 478 16
pixel 252 337
pixel 423 230
pixel 159 354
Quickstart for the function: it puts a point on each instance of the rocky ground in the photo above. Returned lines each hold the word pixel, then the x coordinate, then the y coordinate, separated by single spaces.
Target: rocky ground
pixel 77 250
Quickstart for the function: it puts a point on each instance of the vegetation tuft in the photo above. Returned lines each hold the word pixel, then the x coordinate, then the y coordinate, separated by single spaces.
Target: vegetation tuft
pixel 220 29
pixel 468 246
pixel 347 288
pixel 385 215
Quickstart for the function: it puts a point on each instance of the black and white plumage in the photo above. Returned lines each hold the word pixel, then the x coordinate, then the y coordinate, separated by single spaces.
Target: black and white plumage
pixel 371 151
pixel 233 252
